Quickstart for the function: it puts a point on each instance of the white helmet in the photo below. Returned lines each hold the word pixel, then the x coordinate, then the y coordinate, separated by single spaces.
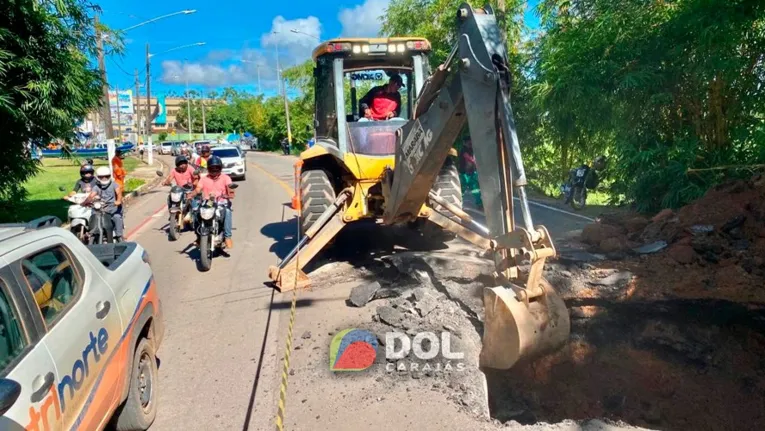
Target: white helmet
pixel 104 171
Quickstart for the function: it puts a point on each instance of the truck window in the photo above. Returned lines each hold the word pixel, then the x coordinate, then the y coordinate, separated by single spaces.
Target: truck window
pixel 12 342
pixel 54 281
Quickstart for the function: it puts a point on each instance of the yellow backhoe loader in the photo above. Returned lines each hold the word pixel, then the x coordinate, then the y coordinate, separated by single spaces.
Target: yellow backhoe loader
pixel 398 170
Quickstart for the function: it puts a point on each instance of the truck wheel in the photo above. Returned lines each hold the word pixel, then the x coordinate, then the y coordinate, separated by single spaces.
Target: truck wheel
pixel 316 195
pixel 205 255
pixel 447 187
pixel 140 408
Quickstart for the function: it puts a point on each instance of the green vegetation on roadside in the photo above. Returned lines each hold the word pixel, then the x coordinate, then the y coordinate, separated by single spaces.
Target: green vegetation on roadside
pixel 44 196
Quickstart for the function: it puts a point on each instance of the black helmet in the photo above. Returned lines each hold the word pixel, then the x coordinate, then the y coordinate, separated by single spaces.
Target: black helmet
pixel 86 169
pixel 214 161
pixel 181 160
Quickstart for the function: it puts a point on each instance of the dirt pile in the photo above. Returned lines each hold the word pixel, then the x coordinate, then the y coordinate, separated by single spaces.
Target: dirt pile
pixel 711 248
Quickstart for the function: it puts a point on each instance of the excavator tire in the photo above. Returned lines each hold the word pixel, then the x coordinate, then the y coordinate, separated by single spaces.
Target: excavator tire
pixel 447 186
pixel 316 195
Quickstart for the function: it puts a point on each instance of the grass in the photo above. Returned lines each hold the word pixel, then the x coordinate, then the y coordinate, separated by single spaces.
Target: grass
pixel 44 196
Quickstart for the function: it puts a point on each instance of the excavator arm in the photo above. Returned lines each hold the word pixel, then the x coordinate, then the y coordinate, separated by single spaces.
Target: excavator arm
pixel 524 315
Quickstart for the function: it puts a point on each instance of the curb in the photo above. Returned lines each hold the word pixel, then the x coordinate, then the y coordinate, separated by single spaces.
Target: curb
pixel 147 187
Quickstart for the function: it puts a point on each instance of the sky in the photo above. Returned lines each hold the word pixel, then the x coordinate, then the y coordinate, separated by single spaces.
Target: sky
pixel 241 39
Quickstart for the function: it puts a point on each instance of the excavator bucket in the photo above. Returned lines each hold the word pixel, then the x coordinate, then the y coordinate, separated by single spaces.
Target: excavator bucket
pixel 515 330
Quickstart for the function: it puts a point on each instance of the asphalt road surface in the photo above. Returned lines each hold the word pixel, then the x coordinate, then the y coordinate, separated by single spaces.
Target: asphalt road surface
pixel 220 362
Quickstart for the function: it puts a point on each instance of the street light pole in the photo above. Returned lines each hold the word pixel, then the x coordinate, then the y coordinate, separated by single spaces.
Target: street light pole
pixel 188 102
pixel 204 122
pixel 284 92
pixel 148 107
pixel 137 103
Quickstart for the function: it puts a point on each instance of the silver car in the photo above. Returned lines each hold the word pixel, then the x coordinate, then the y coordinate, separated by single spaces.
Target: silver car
pixel 233 158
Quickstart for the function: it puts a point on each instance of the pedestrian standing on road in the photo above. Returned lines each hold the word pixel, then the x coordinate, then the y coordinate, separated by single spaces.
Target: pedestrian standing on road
pixel 285 147
pixel 119 170
pixel 469 173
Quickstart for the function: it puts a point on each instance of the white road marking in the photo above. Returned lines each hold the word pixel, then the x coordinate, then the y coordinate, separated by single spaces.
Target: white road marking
pixel 558 210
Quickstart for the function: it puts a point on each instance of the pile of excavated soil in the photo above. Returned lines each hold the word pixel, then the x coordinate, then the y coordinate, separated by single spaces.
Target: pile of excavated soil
pixel 715 246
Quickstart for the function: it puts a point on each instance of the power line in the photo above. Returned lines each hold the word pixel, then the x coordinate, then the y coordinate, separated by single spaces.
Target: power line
pixel 120 67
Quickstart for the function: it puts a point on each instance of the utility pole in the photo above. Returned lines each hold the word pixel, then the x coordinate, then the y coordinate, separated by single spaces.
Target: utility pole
pixel 106 109
pixel 286 111
pixel 137 108
pixel 148 107
pixel 119 122
pixel 284 94
pixel 204 121
pixel 188 104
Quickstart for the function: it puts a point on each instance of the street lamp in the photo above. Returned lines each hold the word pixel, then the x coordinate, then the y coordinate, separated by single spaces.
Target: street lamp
pixel 148 92
pixel 305 34
pixel 182 12
pixel 283 91
pixel 257 67
pixel 108 128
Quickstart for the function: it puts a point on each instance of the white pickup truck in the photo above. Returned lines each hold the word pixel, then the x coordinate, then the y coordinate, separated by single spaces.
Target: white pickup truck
pixel 79 330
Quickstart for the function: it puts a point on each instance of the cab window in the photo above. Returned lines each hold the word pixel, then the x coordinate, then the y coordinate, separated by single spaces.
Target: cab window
pixel 12 342
pixel 53 280
pixel 359 82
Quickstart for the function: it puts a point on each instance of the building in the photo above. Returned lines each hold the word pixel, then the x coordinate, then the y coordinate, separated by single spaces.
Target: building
pixel 130 121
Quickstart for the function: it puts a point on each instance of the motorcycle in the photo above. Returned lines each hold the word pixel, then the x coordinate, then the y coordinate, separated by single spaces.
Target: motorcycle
pixel 579 181
pixel 180 209
pixel 78 216
pixel 210 227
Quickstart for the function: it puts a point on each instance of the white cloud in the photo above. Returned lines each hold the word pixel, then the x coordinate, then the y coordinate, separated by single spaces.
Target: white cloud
pixel 293 46
pixel 363 20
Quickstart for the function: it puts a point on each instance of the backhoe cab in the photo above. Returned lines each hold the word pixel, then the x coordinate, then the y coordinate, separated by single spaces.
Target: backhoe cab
pixel 398 170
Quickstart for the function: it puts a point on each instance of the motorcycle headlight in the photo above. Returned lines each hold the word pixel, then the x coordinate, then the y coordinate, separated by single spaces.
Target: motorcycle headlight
pixel 207 213
pixel 175 197
pixel 97 205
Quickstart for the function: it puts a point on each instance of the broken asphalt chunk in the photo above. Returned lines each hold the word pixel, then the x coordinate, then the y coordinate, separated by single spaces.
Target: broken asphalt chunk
pixel 364 293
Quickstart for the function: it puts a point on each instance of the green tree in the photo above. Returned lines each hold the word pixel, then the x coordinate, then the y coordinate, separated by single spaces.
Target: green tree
pixel 47 81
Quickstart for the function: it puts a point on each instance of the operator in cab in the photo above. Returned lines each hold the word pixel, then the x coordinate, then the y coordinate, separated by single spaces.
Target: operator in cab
pixel 216 183
pixel 384 101
pixel 182 174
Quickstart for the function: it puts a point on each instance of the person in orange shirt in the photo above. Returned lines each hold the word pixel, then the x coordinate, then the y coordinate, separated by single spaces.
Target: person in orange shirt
pixel 118 170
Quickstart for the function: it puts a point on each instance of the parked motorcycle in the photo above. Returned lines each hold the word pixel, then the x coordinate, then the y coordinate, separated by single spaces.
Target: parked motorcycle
pixel 180 209
pixel 210 227
pixel 579 181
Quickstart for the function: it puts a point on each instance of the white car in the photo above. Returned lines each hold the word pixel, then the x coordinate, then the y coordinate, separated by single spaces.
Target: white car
pixel 234 163
pixel 166 148
pixel 80 329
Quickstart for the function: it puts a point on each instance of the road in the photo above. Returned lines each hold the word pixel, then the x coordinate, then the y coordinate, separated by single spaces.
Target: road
pixel 220 362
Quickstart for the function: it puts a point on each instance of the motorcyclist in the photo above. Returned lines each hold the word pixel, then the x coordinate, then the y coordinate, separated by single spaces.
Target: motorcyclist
pixel 110 195
pixel 217 183
pixel 204 157
pixel 85 183
pixel 182 174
